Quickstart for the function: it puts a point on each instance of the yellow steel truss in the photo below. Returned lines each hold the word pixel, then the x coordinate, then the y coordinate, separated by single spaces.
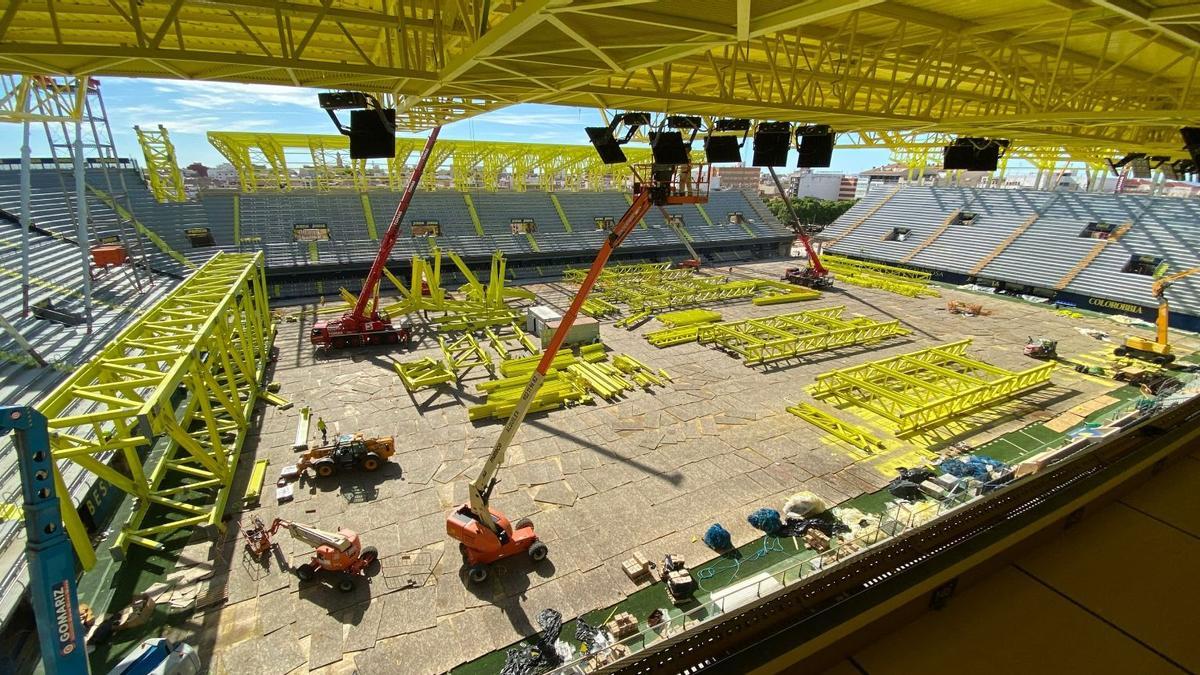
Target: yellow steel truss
pixel 161 413
pixel 926 388
pixel 26 98
pixel 162 168
pixel 267 162
pixel 1086 73
pixel 786 336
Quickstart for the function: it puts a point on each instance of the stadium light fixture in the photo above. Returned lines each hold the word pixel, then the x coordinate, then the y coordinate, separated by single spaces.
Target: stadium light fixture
pixel 608 143
pixel 726 148
pixel 372 128
pixel 974 154
pixel 814 144
pixel 669 147
pixel 771 143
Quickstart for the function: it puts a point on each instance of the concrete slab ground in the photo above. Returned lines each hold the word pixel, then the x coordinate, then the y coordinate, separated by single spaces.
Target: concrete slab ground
pixel 648 473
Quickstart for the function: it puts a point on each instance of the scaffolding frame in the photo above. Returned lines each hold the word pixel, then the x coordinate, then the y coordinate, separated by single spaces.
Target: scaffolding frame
pixel 170 399
pixel 785 336
pixel 928 387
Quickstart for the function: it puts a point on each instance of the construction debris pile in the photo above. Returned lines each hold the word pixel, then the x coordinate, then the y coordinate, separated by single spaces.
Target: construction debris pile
pixel 900 280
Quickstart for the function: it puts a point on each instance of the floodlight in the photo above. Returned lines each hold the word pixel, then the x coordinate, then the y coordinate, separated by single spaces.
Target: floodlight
pixel 771 143
pixel 606 145
pixel 668 147
pixel 722 149
pixel 342 100
pixel 973 154
pixel 814 143
pixel 1191 142
pixel 372 129
pixel 683 122
pixel 606 141
pixel 734 124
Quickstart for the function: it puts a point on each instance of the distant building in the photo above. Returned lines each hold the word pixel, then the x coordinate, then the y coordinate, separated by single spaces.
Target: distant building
pixel 808 183
pixel 847 188
pixel 736 178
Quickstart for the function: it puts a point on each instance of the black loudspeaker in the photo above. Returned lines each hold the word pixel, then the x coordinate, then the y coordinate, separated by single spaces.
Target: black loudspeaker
pixel 667 147
pixel 722 149
pixel 372 133
pixel 606 146
pixel 971 154
pixel 816 151
pixel 771 142
pixel 1191 142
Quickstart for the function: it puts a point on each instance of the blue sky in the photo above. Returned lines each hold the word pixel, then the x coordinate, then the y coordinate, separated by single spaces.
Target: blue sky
pixel 189 109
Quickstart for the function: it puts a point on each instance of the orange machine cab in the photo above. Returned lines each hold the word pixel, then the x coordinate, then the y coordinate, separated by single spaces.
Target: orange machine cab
pixel 329 558
pixel 482 545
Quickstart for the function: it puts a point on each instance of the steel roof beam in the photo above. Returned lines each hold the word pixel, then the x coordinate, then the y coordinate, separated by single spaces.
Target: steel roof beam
pixel 1184 35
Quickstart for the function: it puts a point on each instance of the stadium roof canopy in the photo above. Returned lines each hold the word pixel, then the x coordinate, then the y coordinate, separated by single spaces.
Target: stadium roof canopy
pixel 1113 74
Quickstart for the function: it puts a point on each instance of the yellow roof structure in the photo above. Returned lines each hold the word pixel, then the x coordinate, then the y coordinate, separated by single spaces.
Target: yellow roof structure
pixel 1084 74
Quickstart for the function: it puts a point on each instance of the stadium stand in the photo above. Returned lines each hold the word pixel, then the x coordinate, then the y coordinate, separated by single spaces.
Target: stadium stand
pixel 1090 249
pixel 291 227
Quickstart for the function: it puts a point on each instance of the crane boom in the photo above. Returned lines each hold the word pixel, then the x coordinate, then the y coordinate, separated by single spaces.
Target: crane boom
pixel 814 261
pixel 658 193
pixel 393 230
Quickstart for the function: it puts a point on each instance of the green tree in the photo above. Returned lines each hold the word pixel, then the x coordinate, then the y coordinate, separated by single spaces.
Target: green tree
pixel 810 210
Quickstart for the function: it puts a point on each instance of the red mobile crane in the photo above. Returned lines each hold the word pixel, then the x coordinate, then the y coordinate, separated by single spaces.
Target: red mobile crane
pixel 485 534
pixel 815 275
pixel 358 327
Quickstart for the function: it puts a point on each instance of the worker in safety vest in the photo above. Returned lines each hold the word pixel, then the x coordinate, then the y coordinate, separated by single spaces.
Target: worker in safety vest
pixel 322 428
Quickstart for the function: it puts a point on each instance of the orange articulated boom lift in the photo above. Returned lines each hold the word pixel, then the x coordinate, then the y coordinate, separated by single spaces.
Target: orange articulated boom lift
pixel 358 326
pixel 1158 350
pixel 485 534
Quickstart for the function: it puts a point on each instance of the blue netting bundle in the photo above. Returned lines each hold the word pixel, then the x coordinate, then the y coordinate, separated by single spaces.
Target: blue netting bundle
pixel 717 538
pixel 766 520
pixel 973 466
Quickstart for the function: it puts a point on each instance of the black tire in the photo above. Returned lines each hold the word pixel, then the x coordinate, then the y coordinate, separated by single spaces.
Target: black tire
pixel 345 582
pixel 538 551
pixel 370 554
pixel 370 462
pixel 522 524
pixel 325 468
pixel 478 573
pixel 1120 351
pixel 1160 360
pixel 305 573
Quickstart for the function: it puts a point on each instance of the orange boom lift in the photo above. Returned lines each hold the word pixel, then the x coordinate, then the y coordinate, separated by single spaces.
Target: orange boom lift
pixel 485 534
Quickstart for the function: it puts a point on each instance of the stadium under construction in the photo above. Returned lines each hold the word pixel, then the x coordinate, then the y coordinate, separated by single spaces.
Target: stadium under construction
pixel 391 402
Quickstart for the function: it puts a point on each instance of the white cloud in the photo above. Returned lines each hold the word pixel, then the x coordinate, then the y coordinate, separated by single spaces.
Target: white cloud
pixel 231 95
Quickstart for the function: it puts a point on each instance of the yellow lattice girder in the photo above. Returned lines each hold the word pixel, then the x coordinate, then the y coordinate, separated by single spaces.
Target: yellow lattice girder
pixel 166 181
pixel 265 162
pixel 26 98
pixel 1109 73
pixel 172 396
